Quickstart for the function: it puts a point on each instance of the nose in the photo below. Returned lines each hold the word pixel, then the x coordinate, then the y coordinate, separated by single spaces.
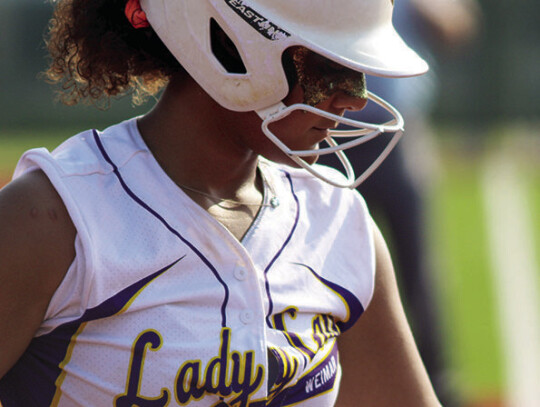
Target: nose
pixel 343 101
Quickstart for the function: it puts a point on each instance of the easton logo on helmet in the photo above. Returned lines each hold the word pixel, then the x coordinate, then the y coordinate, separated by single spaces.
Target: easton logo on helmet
pixel 257 21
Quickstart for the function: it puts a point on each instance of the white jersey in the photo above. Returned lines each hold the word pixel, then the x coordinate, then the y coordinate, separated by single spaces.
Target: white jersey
pixel 163 306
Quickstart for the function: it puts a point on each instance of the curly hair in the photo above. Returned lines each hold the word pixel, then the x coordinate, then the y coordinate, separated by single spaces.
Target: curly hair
pixel 96 54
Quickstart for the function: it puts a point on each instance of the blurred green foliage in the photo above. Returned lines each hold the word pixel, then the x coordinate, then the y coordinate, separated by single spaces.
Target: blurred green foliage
pixel 462 259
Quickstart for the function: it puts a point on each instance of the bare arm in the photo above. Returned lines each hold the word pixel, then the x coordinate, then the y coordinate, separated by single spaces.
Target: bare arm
pixel 36 249
pixel 380 361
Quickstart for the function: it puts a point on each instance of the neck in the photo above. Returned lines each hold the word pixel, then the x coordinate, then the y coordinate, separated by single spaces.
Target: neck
pixel 188 136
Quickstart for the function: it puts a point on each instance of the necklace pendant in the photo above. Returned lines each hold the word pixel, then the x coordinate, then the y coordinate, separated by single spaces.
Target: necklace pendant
pixel 274 202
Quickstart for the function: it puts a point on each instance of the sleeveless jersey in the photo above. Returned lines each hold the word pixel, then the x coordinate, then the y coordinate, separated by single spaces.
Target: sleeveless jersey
pixel 163 306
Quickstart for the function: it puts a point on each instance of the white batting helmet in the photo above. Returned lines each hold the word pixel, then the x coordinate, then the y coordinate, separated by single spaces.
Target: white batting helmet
pixel 357 34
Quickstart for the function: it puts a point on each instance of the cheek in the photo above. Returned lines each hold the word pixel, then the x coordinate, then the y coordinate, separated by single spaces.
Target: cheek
pixel 296 95
pixel 294 131
pixel 291 130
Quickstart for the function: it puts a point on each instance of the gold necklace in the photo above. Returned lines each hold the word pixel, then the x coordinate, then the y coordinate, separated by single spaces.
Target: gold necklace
pixel 274 201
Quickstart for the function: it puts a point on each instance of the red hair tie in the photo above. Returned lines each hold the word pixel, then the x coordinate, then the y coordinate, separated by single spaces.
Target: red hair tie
pixel 136 15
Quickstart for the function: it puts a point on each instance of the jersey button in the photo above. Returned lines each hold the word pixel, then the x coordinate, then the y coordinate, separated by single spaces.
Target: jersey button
pixel 274 202
pixel 247 317
pixel 240 274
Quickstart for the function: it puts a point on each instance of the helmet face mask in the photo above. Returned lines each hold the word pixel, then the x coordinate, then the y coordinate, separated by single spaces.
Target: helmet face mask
pixel 354 34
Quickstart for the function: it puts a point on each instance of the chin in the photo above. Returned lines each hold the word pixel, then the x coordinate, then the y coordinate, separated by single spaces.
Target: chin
pixel 286 160
pixel 312 159
pixel 278 156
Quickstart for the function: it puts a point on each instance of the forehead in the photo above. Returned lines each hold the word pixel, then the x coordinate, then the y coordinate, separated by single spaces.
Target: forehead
pixel 312 60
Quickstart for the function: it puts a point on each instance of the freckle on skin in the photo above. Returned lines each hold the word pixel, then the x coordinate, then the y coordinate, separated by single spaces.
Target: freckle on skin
pixel 52 214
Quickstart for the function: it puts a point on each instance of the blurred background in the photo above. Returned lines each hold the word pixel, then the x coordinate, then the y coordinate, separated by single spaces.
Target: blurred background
pixel 476 154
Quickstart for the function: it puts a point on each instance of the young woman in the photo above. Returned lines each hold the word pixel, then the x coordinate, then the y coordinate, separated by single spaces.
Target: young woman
pixel 196 255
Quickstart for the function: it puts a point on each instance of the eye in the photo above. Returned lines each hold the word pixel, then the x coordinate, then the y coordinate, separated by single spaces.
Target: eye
pixel 334 67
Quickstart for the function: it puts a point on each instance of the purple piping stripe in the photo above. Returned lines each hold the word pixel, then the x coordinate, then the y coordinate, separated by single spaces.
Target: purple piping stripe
pixel 320 380
pixel 169 227
pixel 356 309
pixel 31 382
pixel 267 284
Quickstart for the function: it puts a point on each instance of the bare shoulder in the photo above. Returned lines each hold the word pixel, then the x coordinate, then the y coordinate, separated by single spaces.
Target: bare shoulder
pixel 33 216
pixel 36 249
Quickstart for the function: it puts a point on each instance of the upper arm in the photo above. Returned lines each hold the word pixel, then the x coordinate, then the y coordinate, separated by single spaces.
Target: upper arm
pixel 36 250
pixel 380 362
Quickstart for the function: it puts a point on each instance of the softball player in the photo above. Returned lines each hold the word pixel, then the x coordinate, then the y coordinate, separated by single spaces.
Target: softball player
pixel 197 255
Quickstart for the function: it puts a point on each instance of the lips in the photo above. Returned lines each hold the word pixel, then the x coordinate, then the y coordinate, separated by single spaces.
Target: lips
pixel 327 125
pixel 321 130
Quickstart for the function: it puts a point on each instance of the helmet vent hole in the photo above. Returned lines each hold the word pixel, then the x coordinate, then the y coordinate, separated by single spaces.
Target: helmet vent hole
pixel 225 51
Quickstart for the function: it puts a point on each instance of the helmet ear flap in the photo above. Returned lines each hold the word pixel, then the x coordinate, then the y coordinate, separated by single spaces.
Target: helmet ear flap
pixel 224 50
